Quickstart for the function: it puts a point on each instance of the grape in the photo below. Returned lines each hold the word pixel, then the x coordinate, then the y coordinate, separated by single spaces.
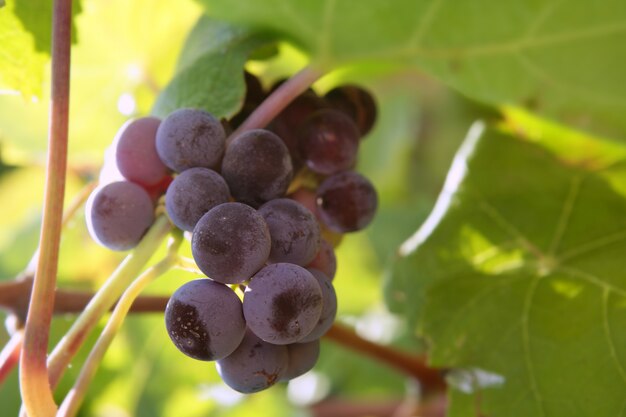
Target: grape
pixel 288 123
pixel 294 231
pixel 329 142
pixel 192 193
pixel 254 96
pixel 110 172
pixel 307 198
pixel 157 190
pixel 190 138
pixel 136 153
pixel 205 320
pixel 302 358
pixel 329 309
pixel 356 103
pixel 325 260
pixel 254 366
pixel 282 303
pixel 257 167
pixel 118 214
pixel 230 243
pixel 346 201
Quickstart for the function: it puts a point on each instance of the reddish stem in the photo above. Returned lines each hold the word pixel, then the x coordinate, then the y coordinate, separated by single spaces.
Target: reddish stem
pixel 431 380
pixel 10 355
pixel 278 100
pixel 34 383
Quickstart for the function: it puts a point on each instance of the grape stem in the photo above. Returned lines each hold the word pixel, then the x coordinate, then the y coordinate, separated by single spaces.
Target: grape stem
pixel 278 100
pixel 10 355
pixel 75 397
pixel 106 296
pixel 34 383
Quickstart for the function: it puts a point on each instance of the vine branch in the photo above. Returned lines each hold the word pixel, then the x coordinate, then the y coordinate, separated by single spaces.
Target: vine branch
pixel 34 382
pixel 67 301
pixel 432 380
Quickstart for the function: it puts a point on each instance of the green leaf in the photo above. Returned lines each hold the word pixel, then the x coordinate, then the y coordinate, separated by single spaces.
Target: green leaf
pixel 516 278
pixel 36 17
pixel 564 59
pixel 210 70
pixel 21 67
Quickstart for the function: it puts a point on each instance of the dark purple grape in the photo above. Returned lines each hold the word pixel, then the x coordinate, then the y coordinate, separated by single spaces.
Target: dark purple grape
pixel 302 358
pixel 254 366
pixel 282 303
pixel 288 123
pixel 193 193
pixel 356 103
pixel 205 320
pixel 294 231
pixel 325 260
pixel 254 96
pixel 230 243
pixel 329 310
pixel 254 90
pixel 257 167
pixel 190 138
pixel 118 215
pixel 329 142
pixel 347 202
pixel 135 152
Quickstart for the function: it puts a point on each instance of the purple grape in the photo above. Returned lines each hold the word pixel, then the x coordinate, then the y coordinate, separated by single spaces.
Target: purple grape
pixel 288 123
pixel 190 138
pixel 282 303
pixel 257 167
pixel 307 198
pixel 254 96
pixel 346 202
pixel 119 214
pixel 230 243
pixel 193 193
pixel 136 155
pixel 355 102
pixel 329 142
pixel 254 366
pixel 205 320
pixel 329 309
pixel 325 260
pixel 302 358
pixel 294 231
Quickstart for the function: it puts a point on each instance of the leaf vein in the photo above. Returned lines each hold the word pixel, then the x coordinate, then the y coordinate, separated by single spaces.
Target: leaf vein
pixel 607 331
pixel 565 215
pixel 526 343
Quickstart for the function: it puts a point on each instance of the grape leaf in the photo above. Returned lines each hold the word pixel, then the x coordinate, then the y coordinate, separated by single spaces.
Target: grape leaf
pixel 21 67
pixel 36 17
pixel 562 58
pixel 516 278
pixel 210 70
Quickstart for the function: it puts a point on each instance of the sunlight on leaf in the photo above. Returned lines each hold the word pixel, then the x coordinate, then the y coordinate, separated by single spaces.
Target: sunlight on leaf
pixel 554 302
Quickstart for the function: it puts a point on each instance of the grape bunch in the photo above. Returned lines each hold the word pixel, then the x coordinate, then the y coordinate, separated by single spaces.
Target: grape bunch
pixel 264 213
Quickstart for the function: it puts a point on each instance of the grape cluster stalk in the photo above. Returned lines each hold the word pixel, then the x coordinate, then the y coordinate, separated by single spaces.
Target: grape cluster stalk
pixel 263 210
